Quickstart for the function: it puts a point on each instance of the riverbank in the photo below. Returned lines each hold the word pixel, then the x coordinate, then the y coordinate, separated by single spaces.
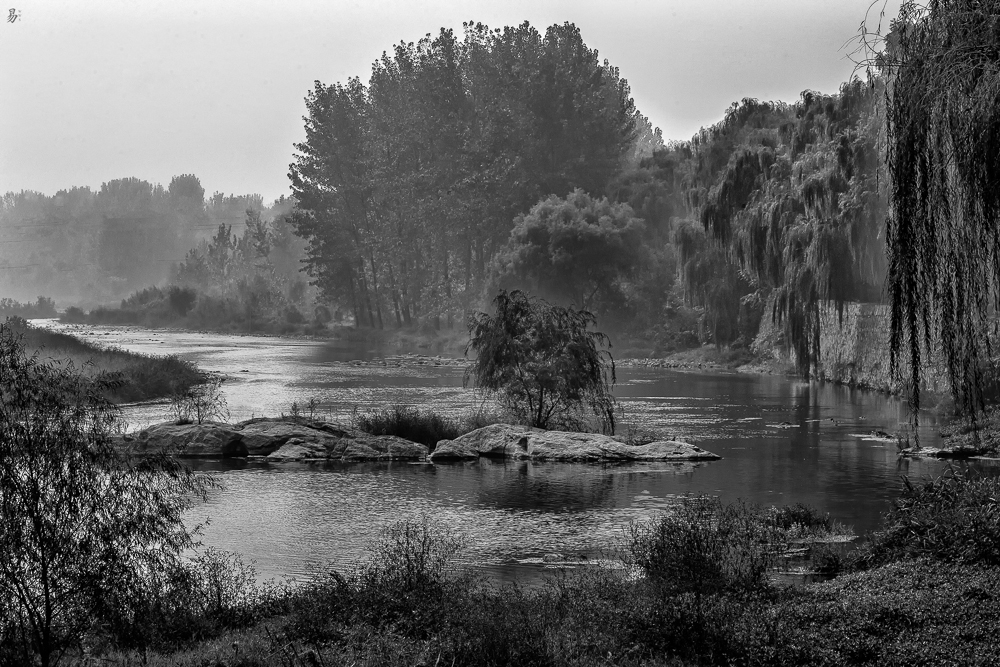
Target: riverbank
pixel 692 587
pixel 139 377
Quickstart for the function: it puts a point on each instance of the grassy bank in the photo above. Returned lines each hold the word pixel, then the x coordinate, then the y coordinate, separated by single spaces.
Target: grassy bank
pixel 691 587
pixel 141 377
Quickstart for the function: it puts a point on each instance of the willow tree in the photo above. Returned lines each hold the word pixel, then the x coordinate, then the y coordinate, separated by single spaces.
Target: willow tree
pixel 942 65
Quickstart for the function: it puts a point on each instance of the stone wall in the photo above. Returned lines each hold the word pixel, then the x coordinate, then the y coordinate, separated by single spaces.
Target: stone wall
pixel 854 349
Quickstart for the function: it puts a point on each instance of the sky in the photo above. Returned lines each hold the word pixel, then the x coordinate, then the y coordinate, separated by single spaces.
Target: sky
pixel 93 90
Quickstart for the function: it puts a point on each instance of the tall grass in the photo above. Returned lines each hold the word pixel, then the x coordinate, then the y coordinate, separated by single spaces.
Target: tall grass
pixel 140 376
pixel 953 518
pixel 423 426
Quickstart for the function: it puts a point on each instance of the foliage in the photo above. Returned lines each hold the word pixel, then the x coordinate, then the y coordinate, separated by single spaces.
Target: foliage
pixel 83 526
pixel 200 403
pixel 406 422
pixel 136 377
pixel 705 547
pixel 576 250
pixel 543 362
pixel 410 604
pixel 91 247
pixel 408 186
pixel 43 307
pixel 954 518
pixel 942 135
pixel 195 600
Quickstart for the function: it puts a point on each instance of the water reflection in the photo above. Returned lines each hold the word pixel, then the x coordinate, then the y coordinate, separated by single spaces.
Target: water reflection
pixel 783 441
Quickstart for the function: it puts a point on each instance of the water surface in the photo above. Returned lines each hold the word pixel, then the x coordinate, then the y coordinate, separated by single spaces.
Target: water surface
pixel 783 441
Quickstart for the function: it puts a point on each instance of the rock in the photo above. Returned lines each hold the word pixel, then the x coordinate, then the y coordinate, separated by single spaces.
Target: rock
pixel 519 442
pixel 453 450
pixel 297 450
pixel 364 447
pixel 940 453
pixel 264 436
pixel 671 450
pixel 277 440
pixel 565 446
pixel 191 440
pixel 496 440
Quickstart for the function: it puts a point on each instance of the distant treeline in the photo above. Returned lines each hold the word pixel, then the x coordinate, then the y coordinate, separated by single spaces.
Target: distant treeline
pixel 509 158
pixel 87 247
pixel 257 307
pixel 43 307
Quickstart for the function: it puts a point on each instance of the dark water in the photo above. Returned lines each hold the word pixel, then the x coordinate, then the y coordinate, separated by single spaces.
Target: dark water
pixel 783 441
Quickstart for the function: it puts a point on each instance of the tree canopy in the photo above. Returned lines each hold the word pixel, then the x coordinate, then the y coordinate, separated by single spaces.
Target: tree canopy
pixel 409 185
pixel 577 250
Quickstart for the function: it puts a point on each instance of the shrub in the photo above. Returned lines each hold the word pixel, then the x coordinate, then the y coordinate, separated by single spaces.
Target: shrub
pixel 953 518
pixel 181 299
pixel 799 518
pixel 74 315
pixel 426 428
pixel 705 547
pixel 200 403
pixel 83 527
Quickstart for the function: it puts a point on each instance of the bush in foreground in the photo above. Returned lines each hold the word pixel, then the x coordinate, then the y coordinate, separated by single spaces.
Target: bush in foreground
pixel 83 526
pixel 953 518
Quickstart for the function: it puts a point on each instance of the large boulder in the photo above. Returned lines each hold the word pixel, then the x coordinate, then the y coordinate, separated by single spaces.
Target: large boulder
pixel 496 441
pixel 264 436
pixel 454 450
pixel 565 446
pixel 365 447
pixel 190 440
pixel 519 442
pixel 277 440
pixel 297 450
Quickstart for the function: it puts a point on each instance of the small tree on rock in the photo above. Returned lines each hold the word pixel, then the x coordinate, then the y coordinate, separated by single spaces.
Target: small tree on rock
pixel 543 362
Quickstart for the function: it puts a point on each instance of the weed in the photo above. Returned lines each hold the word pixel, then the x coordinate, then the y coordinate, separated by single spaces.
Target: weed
pixel 405 422
pixel 201 403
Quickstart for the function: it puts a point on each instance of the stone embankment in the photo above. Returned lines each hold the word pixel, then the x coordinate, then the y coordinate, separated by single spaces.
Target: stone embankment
pixel 283 440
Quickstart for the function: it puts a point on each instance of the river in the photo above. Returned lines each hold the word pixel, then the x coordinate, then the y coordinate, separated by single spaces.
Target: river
pixel 782 441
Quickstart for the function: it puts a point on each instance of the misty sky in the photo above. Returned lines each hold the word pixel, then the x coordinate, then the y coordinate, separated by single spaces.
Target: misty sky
pixel 99 89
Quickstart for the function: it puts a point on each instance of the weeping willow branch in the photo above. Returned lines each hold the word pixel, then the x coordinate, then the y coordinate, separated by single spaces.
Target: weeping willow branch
pixel 942 112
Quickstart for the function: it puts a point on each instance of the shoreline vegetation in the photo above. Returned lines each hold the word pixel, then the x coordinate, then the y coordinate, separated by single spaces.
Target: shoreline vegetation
pixel 692 587
pixel 128 377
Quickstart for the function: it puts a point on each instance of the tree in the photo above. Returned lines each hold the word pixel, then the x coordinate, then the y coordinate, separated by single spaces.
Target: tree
pixel 942 134
pixel 578 250
pixel 83 525
pixel 408 186
pixel 543 362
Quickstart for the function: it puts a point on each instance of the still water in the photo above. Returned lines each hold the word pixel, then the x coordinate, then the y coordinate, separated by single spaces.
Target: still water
pixel 782 441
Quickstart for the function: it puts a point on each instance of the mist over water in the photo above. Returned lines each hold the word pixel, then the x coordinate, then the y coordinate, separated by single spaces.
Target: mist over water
pixel 782 440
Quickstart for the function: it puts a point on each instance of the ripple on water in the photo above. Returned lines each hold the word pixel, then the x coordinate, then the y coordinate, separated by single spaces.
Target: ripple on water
pixel 296 518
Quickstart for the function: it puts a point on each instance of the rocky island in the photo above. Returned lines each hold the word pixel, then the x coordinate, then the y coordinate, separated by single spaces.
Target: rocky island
pixel 280 440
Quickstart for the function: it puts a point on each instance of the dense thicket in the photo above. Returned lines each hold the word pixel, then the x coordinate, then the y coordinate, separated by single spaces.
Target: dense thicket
pixel 408 186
